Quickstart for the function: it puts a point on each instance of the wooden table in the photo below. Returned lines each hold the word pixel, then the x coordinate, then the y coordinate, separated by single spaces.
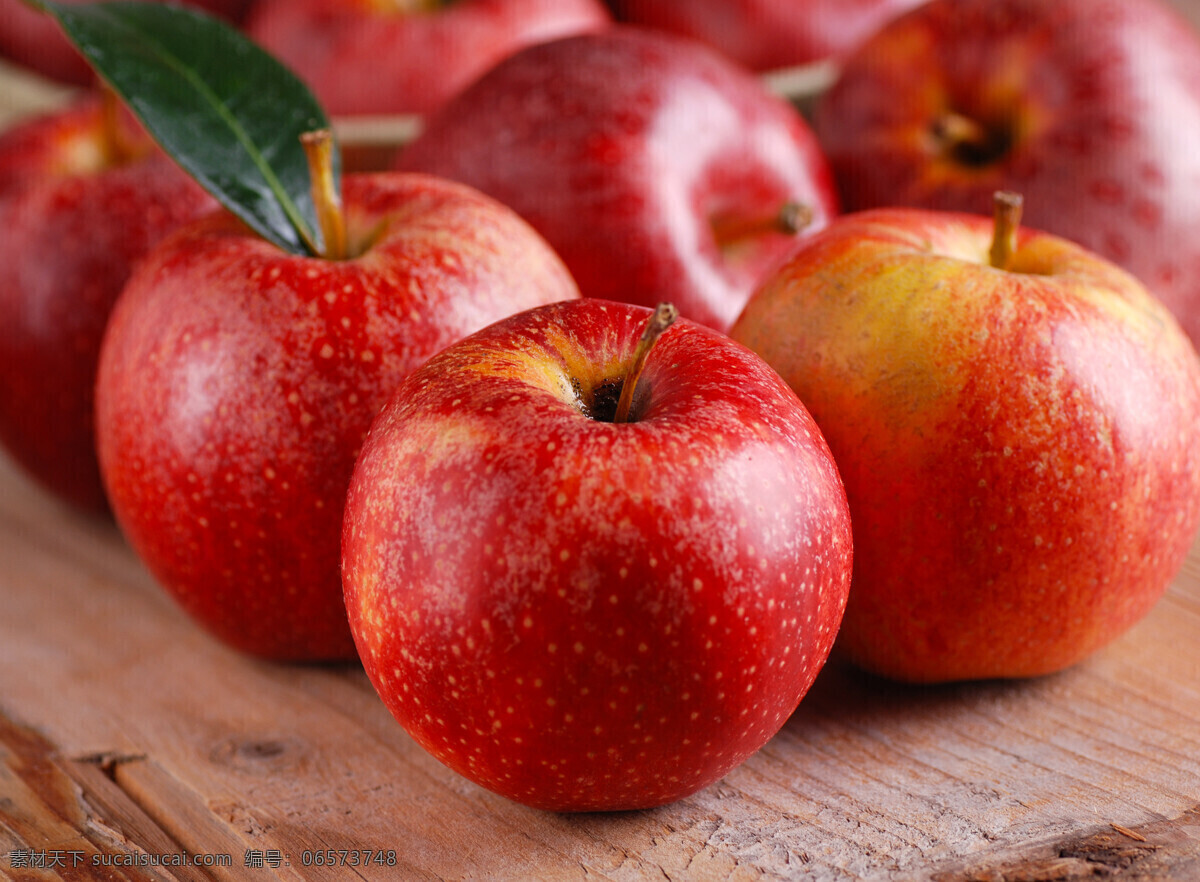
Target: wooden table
pixel 125 731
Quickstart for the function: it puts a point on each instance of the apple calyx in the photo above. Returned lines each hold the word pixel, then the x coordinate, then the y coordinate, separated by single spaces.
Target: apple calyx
pixel 327 201
pixel 662 318
pixel 1006 213
pixel 968 141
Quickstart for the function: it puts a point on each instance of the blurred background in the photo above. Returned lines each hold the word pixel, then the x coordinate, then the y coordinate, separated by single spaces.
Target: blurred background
pixel 22 92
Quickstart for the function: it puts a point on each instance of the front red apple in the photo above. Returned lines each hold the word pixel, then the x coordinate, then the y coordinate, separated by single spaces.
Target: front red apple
pixel 583 614
pixel 237 382
pixel 1020 446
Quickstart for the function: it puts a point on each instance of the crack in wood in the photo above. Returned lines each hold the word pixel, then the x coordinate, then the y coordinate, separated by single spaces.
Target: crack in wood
pixel 108 760
pixel 71 815
pixel 1165 849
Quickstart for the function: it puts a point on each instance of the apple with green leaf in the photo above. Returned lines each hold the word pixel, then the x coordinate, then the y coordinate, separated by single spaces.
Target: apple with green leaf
pixel 237 381
pixel 249 351
pixel 657 168
pixel 1089 108
pixel 1017 423
pixel 84 194
pixel 593 559
pixel 407 56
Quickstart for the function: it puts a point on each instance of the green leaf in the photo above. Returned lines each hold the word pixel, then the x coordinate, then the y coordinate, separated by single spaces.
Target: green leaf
pixel 227 111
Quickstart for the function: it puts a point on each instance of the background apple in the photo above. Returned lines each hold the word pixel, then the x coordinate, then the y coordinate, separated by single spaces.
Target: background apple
pixel 406 56
pixel 767 34
pixel 34 40
pixel 237 381
pixel 583 614
pixel 655 167
pixel 83 195
pixel 1019 448
pixel 1089 108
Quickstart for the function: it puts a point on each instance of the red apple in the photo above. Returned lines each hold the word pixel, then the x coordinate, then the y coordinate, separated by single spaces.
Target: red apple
pixel 406 56
pixel 1090 108
pixel 1019 446
pixel 237 381
pixel 768 34
pixel 83 195
pixel 584 613
pixel 655 167
pixel 34 40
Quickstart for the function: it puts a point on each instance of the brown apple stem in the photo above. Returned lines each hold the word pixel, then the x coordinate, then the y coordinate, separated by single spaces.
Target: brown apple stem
pixel 794 217
pixel 318 148
pixel 408 7
pixel 119 147
pixel 1007 222
pixel 789 220
pixel 661 319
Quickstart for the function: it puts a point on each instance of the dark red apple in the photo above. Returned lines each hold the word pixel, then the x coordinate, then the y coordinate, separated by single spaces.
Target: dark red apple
pixel 583 612
pixel 767 34
pixel 237 381
pixel 657 169
pixel 406 56
pixel 1089 108
pixel 1017 422
pixel 34 40
pixel 84 194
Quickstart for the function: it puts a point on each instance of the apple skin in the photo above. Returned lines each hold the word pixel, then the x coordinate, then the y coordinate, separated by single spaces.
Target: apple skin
pixel 765 35
pixel 237 382
pixel 372 57
pixel 1092 105
pixel 1019 447
pixel 76 216
pixel 584 615
pixel 653 165
pixel 34 41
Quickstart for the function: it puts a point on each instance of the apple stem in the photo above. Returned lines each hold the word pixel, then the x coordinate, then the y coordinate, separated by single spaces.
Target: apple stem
pixel 318 149
pixel 1006 223
pixel 661 319
pixel 409 7
pixel 789 220
pixel 794 217
pixel 119 147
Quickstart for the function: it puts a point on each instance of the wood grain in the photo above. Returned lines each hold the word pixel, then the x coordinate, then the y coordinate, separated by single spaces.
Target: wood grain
pixel 167 742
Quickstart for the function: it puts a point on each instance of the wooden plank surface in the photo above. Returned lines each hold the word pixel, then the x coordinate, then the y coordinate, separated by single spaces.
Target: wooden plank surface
pixel 126 731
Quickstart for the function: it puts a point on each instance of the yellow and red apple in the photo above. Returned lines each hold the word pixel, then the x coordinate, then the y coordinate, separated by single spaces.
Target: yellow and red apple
pixel 1018 431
